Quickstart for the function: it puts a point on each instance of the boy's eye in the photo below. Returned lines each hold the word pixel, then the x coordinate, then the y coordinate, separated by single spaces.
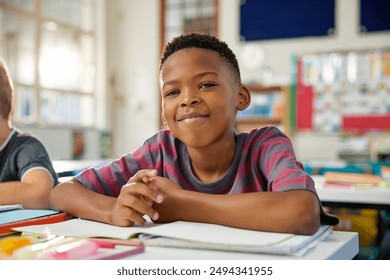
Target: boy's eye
pixel 206 85
pixel 172 92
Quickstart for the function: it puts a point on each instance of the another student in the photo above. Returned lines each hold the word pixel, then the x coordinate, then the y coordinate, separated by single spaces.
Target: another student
pixel 26 172
pixel 201 169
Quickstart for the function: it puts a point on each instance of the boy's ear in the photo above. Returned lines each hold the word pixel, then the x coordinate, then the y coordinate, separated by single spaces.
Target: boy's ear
pixel 164 121
pixel 243 98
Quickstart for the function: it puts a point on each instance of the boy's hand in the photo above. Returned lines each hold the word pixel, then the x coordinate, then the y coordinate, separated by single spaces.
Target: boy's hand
pixel 172 193
pixel 136 200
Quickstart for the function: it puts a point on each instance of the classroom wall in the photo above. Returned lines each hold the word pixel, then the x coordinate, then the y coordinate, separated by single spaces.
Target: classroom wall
pixel 278 52
pixel 133 50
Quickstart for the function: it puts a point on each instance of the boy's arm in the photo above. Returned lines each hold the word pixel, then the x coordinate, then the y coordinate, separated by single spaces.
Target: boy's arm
pixel 295 211
pixel 74 198
pixel 32 192
pixel 125 210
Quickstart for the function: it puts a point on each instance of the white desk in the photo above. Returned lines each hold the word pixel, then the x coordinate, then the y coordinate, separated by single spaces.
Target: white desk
pixel 70 165
pixel 66 167
pixel 375 197
pixel 337 246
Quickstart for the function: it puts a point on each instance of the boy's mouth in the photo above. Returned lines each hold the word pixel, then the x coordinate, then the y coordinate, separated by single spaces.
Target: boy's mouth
pixel 193 117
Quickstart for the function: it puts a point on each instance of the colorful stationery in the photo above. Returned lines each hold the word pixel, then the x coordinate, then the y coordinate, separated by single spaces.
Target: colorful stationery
pixel 73 248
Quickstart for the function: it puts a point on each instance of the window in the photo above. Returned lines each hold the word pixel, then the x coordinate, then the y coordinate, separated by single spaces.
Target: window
pixel 49 47
pixel 186 16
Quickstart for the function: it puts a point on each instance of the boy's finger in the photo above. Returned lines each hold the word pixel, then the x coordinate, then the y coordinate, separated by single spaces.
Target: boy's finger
pixel 148 173
pixel 135 217
pixel 139 207
pixel 139 189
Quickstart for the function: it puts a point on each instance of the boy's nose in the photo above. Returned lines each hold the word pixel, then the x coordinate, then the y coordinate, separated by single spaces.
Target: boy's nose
pixel 189 98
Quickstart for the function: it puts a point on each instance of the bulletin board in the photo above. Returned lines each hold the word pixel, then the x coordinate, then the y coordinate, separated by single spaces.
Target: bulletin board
pixel 374 15
pixel 280 19
pixel 343 91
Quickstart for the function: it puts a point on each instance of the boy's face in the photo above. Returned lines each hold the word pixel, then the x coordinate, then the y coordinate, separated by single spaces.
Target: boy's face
pixel 199 96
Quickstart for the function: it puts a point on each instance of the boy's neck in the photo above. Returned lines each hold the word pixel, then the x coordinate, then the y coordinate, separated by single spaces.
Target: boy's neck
pixel 209 166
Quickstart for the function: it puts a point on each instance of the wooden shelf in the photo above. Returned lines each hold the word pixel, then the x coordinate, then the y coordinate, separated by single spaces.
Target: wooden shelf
pixel 260 120
pixel 263 89
pixel 279 115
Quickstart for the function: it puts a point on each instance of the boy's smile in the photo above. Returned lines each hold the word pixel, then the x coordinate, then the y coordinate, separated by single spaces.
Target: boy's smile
pixel 193 117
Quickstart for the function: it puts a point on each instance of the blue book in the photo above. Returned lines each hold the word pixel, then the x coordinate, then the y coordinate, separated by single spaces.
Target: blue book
pixel 23 214
pixel 25 217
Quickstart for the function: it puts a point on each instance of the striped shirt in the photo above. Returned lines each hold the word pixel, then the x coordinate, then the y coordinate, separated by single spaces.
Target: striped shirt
pixel 264 160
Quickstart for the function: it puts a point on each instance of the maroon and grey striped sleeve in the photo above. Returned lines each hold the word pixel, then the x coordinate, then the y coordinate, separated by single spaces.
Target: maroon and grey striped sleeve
pixel 278 163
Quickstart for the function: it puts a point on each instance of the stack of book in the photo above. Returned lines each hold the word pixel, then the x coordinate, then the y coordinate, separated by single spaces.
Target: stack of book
pixel 349 180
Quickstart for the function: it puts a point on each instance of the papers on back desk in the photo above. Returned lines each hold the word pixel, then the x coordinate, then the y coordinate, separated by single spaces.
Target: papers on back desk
pixel 190 235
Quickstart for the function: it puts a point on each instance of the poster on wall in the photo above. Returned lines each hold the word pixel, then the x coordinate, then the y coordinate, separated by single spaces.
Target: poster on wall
pixel 344 91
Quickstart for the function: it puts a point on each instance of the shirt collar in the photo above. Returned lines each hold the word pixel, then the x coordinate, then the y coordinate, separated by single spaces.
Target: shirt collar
pixel 8 139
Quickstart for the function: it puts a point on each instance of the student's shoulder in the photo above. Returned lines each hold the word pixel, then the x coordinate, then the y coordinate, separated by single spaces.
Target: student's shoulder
pixel 27 138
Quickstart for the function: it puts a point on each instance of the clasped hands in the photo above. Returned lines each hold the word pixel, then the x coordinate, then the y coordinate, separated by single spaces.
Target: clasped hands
pixel 141 196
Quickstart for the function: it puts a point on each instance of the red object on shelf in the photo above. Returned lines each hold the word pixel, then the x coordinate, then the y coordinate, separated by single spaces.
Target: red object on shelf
pixel 366 122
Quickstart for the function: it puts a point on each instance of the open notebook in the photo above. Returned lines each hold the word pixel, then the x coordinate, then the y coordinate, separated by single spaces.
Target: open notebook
pixel 190 235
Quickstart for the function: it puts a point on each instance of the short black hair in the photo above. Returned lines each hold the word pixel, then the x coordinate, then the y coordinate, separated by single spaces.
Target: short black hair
pixel 203 41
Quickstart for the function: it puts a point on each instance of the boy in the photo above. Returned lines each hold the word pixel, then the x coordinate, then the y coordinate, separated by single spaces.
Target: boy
pixel 200 169
pixel 26 172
